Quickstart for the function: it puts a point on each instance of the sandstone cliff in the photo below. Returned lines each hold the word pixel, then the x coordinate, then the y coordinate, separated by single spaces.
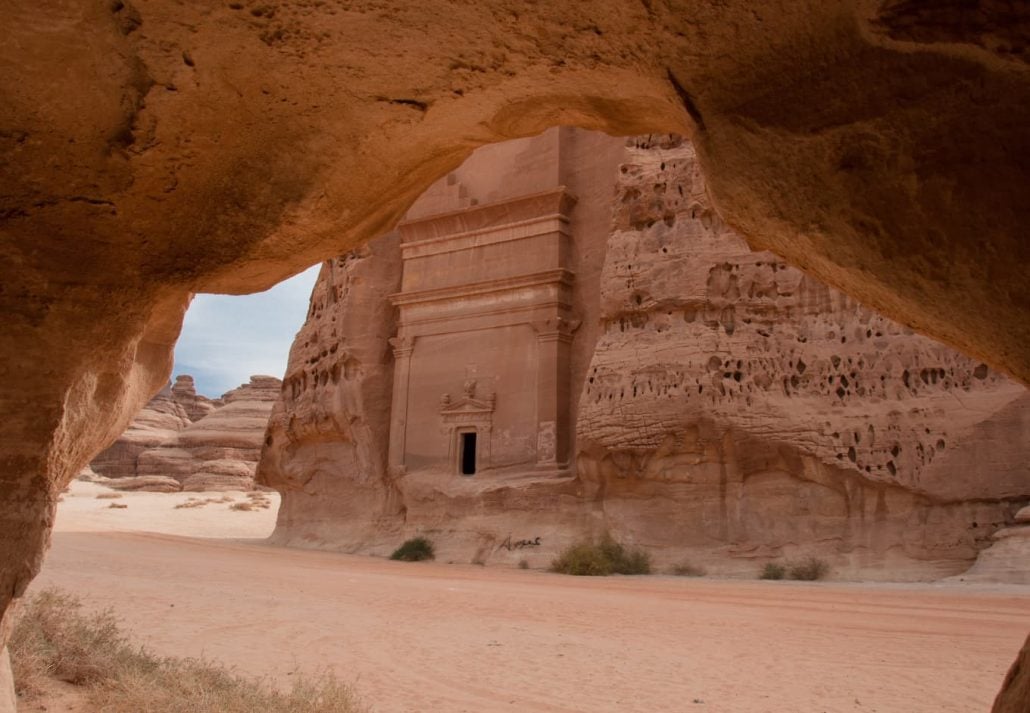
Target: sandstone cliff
pixel 159 421
pixel 220 450
pixel 328 432
pixel 184 440
pixel 184 391
pixel 734 411
pixel 736 406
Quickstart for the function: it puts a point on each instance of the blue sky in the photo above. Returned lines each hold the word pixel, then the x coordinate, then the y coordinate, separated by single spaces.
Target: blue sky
pixel 227 338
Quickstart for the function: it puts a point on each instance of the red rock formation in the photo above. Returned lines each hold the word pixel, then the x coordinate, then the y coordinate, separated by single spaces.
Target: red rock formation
pixel 196 405
pixel 1015 691
pixel 328 433
pixel 150 152
pixel 735 404
pixel 327 439
pixel 220 450
pixel 734 410
pixel 162 418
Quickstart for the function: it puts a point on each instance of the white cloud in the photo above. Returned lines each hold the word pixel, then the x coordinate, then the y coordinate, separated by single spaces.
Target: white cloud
pixel 225 339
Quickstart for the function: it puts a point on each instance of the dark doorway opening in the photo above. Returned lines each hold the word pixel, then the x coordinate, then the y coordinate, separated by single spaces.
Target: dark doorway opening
pixel 468 454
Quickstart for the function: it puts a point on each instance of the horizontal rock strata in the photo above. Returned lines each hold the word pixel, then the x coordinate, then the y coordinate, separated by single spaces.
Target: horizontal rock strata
pixel 220 450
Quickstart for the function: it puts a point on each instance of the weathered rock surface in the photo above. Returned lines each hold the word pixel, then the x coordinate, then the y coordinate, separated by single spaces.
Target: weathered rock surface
pixel 160 420
pixel 329 431
pixel 1015 691
pixel 220 450
pixel 1006 560
pixel 327 440
pixel 154 151
pixel 736 404
pixel 734 411
pixel 8 701
pixel 196 406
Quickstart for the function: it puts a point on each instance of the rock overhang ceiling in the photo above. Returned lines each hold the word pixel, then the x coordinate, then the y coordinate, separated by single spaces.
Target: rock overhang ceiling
pixel 157 149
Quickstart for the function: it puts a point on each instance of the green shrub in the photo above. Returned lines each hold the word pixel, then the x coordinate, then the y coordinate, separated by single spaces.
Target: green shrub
pixel 773 570
pixel 416 549
pixel 686 569
pixel 589 559
pixel 809 569
pixel 54 639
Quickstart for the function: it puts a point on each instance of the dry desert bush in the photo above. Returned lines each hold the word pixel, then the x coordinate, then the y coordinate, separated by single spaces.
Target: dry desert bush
pixel 54 639
pixel 108 496
pixel 810 569
pixel 599 559
pixel 117 506
pixel 255 501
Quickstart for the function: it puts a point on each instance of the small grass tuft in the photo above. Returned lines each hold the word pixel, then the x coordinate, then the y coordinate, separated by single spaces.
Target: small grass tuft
pixel 108 496
pixel 417 549
pixel 590 559
pixel 810 569
pixel 686 569
pixel 244 506
pixel 773 570
pixel 523 564
pixel 53 638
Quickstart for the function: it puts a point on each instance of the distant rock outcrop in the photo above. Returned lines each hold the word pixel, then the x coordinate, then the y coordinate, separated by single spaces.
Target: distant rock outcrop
pixel 184 391
pixel 220 450
pixel 161 419
pixel 184 441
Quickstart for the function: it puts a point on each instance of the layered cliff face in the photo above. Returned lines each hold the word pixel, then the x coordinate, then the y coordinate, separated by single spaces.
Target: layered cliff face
pixel 734 411
pixel 182 440
pixel 220 450
pixel 184 391
pixel 738 407
pixel 160 420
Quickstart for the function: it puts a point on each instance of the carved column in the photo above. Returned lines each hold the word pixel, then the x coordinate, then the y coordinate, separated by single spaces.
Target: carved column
pixel 554 336
pixel 402 350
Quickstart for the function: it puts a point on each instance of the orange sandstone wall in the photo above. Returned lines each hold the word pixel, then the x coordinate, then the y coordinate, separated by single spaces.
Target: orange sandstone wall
pixel 729 409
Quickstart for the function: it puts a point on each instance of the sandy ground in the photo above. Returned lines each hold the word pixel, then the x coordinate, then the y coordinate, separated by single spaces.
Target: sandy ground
pixel 453 638
pixel 82 511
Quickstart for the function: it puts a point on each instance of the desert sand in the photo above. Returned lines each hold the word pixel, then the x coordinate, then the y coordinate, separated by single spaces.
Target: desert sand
pixel 438 637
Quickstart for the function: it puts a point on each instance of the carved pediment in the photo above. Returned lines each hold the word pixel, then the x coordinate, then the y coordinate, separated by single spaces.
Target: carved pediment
pixel 468 405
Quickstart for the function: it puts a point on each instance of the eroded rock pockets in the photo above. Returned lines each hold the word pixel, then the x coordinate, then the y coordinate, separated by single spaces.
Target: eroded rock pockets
pixel 733 408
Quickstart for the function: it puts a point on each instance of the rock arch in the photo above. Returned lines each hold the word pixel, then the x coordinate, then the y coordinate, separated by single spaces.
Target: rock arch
pixel 153 152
